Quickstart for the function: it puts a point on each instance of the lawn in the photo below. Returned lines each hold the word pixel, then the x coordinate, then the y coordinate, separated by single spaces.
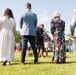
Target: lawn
pixel 45 66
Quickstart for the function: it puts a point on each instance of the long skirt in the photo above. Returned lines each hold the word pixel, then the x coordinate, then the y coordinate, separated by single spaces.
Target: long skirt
pixel 59 51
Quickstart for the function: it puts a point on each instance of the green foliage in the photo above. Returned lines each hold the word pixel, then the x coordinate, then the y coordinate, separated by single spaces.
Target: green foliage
pixel 17 36
pixel 45 66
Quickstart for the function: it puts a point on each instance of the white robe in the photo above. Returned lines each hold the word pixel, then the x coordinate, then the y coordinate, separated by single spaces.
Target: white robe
pixel 7 39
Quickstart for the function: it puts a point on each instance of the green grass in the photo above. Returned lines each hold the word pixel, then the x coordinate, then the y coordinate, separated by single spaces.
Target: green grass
pixel 45 66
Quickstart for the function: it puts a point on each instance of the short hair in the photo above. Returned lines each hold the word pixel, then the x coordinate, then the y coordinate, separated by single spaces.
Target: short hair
pixel 41 25
pixel 28 5
pixel 8 12
pixel 56 14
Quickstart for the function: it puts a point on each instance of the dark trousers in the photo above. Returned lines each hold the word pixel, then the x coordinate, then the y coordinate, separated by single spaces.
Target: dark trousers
pixel 31 39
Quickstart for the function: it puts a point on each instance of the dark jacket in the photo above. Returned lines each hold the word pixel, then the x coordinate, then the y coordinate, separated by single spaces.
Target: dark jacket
pixel 39 35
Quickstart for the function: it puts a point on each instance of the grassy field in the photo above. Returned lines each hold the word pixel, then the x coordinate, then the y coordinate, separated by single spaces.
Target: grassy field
pixel 45 66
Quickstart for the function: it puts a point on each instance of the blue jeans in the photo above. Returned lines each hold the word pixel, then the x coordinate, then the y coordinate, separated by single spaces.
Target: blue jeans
pixel 31 39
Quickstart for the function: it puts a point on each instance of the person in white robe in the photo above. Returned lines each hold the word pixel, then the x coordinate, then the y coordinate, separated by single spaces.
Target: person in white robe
pixel 7 28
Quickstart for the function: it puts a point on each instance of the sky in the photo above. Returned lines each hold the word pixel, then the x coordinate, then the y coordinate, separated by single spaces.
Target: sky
pixel 44 10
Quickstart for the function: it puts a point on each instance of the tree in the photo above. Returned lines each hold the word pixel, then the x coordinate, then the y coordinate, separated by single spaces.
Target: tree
pixel 17 36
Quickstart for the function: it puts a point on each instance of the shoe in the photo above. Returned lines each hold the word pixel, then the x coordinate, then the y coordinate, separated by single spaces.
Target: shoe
pixel 22 63
pixel 8 63
pixel 4 63
pixel 63 61
pixel 35 62
pixel 42 56
pixel 52 59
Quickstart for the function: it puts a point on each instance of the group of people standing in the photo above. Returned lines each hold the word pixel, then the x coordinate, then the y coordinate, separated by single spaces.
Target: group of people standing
pixel 29 32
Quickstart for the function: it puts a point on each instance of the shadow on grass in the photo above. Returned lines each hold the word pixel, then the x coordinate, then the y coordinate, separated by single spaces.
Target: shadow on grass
pixel 31 62
pixel 42 63
pixel 69 62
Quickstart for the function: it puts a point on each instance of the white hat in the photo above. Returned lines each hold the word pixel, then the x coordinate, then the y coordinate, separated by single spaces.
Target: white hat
pixel 56 13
